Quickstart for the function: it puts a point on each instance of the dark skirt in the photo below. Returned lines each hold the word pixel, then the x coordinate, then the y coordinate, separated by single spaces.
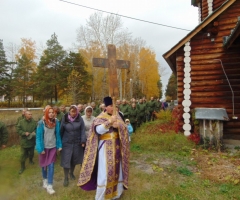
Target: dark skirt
pixel 48 158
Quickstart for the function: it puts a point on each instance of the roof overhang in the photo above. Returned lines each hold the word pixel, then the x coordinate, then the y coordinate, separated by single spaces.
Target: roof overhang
pixel 195 2
pixel 203 24
pixel 233 36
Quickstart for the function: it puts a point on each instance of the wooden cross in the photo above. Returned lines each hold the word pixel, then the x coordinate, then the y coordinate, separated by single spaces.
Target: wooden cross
pixel 112 64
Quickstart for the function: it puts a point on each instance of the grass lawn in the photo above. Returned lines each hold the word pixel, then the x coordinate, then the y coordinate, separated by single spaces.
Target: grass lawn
pixel 162 166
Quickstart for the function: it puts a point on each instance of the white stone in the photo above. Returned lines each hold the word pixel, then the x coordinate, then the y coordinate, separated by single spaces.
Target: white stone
pixel 187 53
pixel 187 97
pixel 186 103
pixel 186 121
pixel 187 59
pixel 186 110
pixel 186 116
pixel 187 80
pixel 187 133
pixel 187 69
pixel 187 86
pixel 186 91
pixel 187 74
pixel 186 127
pixel 187 48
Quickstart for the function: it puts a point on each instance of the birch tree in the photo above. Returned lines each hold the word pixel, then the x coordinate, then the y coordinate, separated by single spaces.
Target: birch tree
pixel 100 31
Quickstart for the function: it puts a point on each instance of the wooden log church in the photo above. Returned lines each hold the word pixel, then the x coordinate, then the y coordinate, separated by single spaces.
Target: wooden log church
pixel 206 63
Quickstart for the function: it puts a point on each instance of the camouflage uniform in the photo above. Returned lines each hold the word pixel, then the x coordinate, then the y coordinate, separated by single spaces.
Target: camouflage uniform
pixel 151 108
pixel 60 116
pixel 96 112
pixel 124 108
pixel 133 117
pixel 27 143
pixel 142 110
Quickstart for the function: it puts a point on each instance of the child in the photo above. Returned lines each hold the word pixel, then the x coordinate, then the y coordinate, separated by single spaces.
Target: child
pixel 130 128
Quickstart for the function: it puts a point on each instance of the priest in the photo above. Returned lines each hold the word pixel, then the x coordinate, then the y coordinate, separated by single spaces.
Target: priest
pixel 105 165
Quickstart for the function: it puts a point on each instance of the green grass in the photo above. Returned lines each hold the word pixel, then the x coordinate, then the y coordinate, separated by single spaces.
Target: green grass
pixel 161 168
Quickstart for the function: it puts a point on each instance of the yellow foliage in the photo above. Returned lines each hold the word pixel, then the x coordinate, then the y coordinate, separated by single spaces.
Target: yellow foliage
pixel 28 47
pixel 148 72
pixel 143 70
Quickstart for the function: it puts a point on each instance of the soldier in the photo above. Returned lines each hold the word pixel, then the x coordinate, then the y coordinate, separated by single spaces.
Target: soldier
pixel 142 110
pixel 63 109
pixel 58 112
pixel 158 105
pixel 124 107
pixel 96 110
pixel 81 109
pixel 3 135
pixel 23 115
pixel 26 128
pixel 102 107
pixel 151 109
pixel 133 116
pixel 118 103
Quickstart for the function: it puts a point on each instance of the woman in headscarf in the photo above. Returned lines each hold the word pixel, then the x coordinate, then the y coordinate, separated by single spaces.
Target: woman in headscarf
pixel 88 119
pixel 73 140
pixel 48 140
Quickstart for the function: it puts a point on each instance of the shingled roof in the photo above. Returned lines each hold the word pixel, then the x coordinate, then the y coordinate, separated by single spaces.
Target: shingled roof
pixel 195 2
pixel 228 40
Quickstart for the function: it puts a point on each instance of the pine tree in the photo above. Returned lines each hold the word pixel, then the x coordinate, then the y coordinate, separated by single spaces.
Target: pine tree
pixel 3 62
pixel 78 87
pixel 23 78
pixel 52 75
pixel 171 89
pixel 5 75
pixel 160 88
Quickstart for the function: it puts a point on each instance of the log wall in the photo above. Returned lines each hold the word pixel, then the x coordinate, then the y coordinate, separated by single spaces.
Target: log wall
pixel 204 7
pixel 204 13
pixel 209 85
pixel 217 4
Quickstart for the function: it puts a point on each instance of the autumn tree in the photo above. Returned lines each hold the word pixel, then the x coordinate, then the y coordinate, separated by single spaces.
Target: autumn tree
pixel 98 32
pixel 26 67
pixel 52 74
pixel 171 89
pixel 148 73
pixel 78 88
pixel 23 78
pixel 28 48
pixel 130 51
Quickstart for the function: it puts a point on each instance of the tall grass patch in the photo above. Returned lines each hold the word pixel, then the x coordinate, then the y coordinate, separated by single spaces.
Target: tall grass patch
pixel 152 138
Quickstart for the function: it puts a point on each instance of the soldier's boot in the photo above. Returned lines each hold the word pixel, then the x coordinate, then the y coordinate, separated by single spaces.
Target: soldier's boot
pixel 31 161
pixel 22 168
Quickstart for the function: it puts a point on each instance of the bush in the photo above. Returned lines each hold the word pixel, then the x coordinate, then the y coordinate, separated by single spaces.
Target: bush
pixel 15 104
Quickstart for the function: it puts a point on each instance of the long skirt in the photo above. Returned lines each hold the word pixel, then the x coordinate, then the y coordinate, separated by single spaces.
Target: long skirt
pixel 48 158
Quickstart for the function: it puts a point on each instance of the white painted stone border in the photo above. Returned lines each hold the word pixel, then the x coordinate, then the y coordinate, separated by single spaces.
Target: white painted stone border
pixel 187 89
pixel 210 7
pixel 199 13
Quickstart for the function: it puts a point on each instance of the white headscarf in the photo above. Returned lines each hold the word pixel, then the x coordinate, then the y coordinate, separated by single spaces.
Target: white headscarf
pixel 88 108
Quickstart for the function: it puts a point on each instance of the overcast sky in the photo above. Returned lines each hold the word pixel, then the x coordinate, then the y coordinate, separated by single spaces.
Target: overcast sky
pixel 39 19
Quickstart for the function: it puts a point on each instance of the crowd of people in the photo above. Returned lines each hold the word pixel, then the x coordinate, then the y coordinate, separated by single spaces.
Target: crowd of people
pixel 87 134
